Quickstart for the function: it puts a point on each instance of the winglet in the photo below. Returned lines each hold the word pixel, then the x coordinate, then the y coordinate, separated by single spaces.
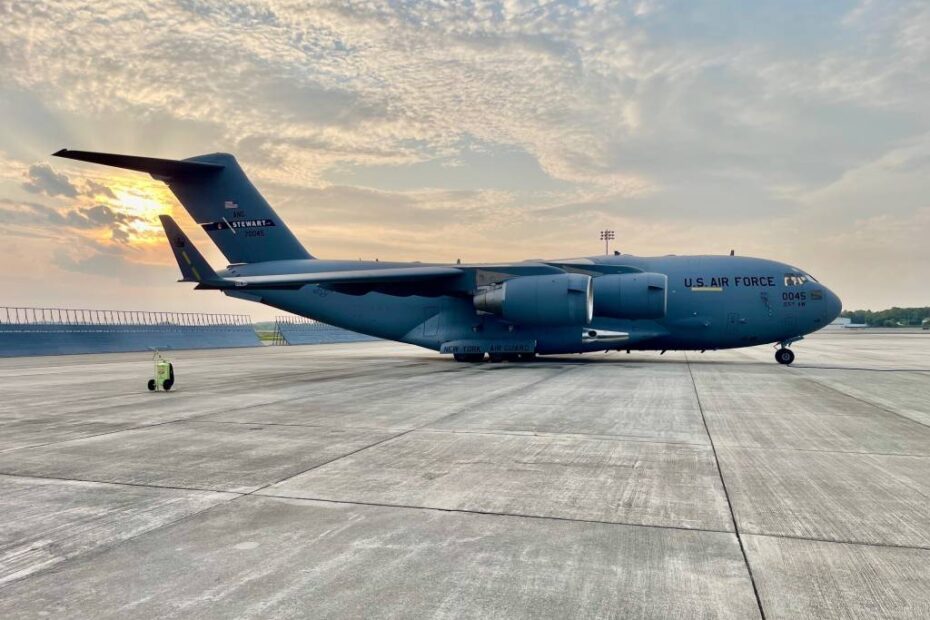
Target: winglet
pixel 194 267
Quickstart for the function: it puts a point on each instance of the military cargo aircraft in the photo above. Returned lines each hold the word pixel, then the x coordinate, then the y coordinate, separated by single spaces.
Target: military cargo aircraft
pixel 477 312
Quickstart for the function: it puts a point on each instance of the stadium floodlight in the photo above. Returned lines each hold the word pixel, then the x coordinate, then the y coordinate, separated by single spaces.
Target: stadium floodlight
pixel 607 236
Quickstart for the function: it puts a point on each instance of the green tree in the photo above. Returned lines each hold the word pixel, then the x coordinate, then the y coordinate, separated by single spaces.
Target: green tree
pixel 892 317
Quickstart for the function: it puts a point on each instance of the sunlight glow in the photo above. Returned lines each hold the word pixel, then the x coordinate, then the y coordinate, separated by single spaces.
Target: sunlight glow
pixel 138 204
pixel 143 202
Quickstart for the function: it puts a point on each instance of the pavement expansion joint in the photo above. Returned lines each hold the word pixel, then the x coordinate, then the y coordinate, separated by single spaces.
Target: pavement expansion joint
pixel 590 436
pixel 123 483
pixel 389 475
pixel 739 538
pixel 833 541
pixel 492 513
pixel 863 400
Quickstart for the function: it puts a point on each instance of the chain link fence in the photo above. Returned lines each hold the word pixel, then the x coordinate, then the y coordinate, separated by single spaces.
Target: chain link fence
pixel 56 331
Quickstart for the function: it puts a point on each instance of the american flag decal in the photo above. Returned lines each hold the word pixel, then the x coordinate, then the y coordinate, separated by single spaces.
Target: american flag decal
pixel 229 204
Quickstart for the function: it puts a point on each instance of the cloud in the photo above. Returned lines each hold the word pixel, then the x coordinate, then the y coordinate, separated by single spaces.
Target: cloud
pixel 93 189
pixel 31 217
pixel 496 129
pixel 598 94
pixel 43 180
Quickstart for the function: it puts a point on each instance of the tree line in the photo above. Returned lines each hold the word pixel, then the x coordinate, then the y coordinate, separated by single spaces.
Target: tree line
pixel 892 317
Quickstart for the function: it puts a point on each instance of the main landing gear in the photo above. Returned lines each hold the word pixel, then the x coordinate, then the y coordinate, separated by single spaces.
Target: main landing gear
pixel 784 356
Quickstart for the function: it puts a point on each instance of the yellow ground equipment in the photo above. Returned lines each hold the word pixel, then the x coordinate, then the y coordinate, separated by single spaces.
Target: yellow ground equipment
pixel 164 374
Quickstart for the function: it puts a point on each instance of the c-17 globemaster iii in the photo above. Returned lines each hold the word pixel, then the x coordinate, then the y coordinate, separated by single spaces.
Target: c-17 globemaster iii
pixel 499 311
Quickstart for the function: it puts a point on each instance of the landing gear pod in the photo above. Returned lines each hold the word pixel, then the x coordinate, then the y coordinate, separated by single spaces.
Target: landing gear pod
pixel 164 374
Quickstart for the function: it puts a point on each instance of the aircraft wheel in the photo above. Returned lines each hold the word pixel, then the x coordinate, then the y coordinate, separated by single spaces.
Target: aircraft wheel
pixel 151 385
pixel 784 356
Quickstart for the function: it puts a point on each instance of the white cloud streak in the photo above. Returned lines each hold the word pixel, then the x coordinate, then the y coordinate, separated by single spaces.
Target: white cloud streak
pixel 690 127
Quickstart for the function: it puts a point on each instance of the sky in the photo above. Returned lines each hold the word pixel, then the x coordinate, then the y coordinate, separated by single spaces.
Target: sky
pixel 481 131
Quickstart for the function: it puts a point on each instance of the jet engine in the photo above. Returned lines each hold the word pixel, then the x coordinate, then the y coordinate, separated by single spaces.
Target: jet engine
pixel 631 295
pixel 556 299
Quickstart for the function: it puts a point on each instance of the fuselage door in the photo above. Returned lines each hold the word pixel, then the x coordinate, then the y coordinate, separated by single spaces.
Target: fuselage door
pixel 736 325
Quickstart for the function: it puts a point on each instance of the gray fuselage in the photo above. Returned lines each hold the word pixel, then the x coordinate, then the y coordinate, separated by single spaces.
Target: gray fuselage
pixel 713 302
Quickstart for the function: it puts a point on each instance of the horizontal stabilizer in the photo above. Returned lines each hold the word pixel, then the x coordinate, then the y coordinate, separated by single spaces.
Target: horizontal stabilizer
pixel 160 168
pixel 194 267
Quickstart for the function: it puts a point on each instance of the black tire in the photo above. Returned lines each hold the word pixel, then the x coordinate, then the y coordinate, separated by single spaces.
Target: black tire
pixel 167 384
pixel 151 385
pixel 784 356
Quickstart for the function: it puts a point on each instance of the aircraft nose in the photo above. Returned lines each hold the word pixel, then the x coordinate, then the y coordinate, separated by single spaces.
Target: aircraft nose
pixel 834 305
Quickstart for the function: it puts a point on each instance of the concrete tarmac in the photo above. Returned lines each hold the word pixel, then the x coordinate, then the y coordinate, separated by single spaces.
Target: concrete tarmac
pixel 381 480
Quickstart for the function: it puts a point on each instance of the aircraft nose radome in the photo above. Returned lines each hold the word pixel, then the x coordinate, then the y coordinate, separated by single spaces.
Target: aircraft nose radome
pixel 834 305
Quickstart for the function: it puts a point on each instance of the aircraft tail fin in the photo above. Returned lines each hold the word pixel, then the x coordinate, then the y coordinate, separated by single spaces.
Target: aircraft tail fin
pixel 194 267
pixel 220 197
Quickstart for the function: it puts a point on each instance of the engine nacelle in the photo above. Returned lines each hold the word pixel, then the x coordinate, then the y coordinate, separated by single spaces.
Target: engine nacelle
pixel 631 295
pixel 557 299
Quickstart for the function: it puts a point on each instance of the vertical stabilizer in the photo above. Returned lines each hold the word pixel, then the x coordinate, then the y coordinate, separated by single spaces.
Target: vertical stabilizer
pixel 234 214
pixel 220 197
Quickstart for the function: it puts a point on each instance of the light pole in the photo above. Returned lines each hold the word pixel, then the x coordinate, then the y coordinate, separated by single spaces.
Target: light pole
pixel 607 236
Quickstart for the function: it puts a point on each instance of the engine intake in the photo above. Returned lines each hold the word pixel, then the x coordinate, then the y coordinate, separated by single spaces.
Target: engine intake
pixel 631 295
pixel 557 299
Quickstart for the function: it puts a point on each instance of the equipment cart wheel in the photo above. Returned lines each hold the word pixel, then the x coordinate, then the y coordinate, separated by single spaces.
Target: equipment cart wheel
pixel 151 385
pixel 784 356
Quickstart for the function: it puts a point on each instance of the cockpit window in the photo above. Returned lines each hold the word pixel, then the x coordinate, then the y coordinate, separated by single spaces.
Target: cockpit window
pixel 795 279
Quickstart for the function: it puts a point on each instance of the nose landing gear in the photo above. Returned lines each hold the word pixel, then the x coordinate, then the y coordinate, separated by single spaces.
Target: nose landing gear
pixel 784 356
